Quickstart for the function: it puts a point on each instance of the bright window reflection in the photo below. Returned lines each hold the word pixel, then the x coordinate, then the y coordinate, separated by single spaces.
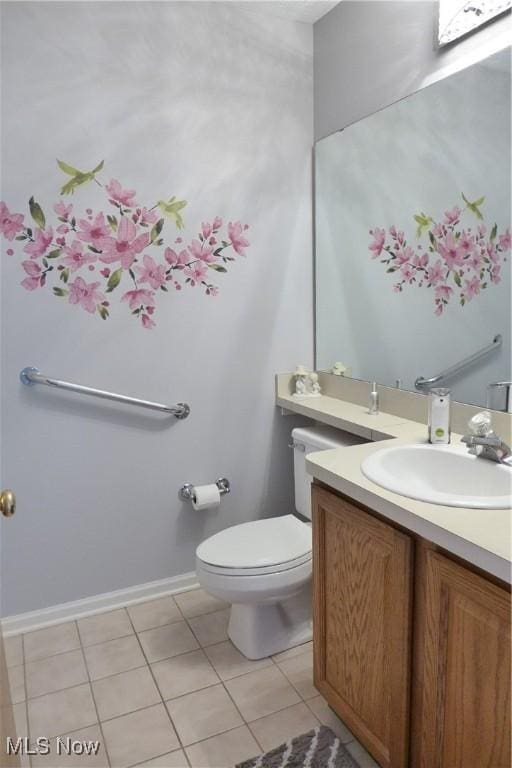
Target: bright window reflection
pixel 456 17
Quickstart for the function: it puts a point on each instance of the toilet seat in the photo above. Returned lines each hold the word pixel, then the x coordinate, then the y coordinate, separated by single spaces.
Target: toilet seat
pixel 224 571
pixel 264 546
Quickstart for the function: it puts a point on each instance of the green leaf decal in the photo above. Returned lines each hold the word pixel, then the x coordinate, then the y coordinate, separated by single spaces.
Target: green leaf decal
pixel 217 267
pixel 60 292
pixel 494 232
pixel 37 213
pixel 104 313
pixel 112 221
pixel 457 279
pixel 64 275
pixel 114 280
pixel 54 254
pixel 156 229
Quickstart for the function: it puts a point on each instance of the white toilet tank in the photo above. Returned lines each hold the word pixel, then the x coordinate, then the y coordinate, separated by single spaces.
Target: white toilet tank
pixel 306 440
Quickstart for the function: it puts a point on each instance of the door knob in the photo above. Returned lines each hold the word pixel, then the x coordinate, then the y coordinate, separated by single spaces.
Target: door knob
pixel 7 503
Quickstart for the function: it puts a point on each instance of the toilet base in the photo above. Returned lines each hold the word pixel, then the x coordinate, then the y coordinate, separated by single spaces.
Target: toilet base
pixel 259 630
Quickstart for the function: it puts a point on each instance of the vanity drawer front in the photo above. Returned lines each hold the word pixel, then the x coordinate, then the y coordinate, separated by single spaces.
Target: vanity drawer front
pixel 462 691
pixel 362 623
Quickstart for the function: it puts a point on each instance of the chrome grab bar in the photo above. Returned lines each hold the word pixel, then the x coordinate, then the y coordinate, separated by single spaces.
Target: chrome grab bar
pixel 31 376
pixel 454 369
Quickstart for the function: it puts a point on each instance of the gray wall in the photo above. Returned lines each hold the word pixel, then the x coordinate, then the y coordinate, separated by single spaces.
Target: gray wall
pixel 212 103
pixel 369 53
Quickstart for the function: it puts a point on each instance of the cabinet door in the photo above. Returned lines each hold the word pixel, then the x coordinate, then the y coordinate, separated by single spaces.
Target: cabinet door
pixel 462 684
pixel 362 619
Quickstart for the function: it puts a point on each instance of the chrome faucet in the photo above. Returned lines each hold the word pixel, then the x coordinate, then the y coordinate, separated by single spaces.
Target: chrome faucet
pixel 489 447
pixel 484 442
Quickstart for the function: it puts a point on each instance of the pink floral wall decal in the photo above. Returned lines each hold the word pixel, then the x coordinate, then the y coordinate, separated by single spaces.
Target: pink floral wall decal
pixel 85 257
pixel 457 260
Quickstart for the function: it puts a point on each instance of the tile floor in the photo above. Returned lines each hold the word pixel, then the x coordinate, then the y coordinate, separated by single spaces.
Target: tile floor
pixel 159 684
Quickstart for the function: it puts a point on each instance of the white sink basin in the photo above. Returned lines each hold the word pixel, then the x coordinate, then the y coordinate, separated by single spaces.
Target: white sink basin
pixel 445 474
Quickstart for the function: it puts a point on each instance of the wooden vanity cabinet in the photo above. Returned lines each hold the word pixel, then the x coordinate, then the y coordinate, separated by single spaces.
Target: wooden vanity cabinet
pixel 461 686
pixel 413 656
pixel 362 617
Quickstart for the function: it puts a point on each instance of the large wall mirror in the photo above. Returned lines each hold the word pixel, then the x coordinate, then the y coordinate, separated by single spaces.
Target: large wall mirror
pixel 413 239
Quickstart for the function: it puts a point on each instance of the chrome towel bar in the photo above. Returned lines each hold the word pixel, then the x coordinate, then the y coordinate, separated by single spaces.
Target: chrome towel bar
pixel 31 376
pixel 454 369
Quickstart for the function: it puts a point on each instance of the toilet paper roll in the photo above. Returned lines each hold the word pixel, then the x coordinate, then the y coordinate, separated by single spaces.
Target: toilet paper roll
pixel 206 496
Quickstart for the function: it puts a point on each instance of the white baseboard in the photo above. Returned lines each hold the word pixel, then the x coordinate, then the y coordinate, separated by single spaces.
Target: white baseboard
pixel 108 601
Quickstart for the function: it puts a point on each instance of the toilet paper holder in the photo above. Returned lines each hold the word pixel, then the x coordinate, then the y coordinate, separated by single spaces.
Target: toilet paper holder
pixel 187 491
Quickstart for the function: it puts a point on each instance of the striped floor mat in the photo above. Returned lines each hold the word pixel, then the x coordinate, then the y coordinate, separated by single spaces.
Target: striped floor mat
pixel 319 748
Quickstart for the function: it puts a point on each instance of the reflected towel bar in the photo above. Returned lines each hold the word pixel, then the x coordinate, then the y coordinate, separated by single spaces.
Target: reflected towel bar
pixel 494 345
pixel 31 376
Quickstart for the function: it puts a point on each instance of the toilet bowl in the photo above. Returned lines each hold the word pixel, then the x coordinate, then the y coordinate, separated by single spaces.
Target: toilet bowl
pixel 260 567
pixel 264 567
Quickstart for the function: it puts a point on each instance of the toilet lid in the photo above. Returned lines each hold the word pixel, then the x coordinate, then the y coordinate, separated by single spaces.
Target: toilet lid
pixel 258 544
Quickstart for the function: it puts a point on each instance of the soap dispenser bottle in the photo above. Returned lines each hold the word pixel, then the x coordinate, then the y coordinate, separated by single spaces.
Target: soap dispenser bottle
pixel 439 416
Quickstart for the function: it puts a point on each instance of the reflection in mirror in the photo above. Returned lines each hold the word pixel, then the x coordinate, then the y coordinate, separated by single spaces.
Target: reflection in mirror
pixel 413 240
pixel 458 17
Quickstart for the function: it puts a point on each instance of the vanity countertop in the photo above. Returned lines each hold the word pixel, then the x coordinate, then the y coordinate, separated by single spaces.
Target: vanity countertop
pixel 479 536
pixel 344 415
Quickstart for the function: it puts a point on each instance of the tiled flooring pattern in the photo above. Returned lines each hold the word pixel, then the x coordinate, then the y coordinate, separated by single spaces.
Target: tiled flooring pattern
pixel 160 685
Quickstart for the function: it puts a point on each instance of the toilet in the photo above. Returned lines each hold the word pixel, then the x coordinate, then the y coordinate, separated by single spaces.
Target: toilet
pixel 264 568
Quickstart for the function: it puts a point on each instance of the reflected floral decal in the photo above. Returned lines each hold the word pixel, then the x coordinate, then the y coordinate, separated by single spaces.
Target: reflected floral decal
pixel 456 261
pixel 90 258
